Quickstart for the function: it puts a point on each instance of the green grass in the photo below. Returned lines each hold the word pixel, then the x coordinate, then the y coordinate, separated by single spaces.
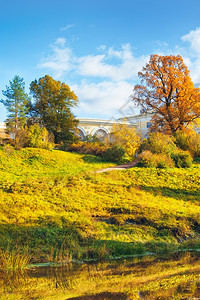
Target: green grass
pixel 54 204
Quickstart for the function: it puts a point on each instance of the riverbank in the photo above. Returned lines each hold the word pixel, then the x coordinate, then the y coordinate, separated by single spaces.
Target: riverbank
pixel 172 277
pixel 55 207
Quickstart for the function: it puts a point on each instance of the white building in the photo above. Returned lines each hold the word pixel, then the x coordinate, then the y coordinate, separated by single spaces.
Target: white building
pixel 101 127
pixel 3 135
pixel 98 127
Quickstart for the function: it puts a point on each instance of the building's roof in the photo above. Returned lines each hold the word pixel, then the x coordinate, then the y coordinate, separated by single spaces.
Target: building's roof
pixel 2 125
pixel 102 122
pixel 3 135
pixel 140 116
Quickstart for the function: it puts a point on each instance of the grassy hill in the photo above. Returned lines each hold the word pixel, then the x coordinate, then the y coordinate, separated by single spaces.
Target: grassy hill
pixel 53 206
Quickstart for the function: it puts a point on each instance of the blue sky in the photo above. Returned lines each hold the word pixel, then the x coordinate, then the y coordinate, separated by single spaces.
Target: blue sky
pixel 96 47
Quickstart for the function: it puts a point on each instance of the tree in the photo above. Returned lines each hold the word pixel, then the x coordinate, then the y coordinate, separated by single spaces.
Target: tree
pixel 167 90
pixel 17 105
pixel 39 137
pixel 126 137
pixel 53 103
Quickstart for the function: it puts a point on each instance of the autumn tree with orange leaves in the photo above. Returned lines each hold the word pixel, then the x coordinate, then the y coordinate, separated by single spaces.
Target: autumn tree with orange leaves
pixel 167 90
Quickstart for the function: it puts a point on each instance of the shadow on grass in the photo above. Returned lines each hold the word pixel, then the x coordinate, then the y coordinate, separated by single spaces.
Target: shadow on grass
pixel 102 296
pixel 179 194
pixel 197 160
pixel 63 243
pixel 43 243
pixel 91 159
pixel 56 244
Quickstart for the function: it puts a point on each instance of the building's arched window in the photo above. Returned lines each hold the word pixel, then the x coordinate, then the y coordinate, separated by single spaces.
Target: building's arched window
pixel 81 133
pixel 101 133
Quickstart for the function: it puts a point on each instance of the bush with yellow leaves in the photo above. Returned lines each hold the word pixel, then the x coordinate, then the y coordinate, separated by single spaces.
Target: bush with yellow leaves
pixel 126 137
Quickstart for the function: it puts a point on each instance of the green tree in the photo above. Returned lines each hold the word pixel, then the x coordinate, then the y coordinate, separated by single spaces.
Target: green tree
pixel 16 103
pixel 53 103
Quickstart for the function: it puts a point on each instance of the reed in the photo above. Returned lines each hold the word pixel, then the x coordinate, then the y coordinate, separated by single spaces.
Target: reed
pixel 13 260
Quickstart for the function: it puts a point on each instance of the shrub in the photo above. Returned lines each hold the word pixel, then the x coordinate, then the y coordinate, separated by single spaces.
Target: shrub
pixel 91 138
pixel 182 140
pixel 93 148
pixel 8 149
pixel 158 143
pixel 39 137
pixel 33 136
pixel 152 160
pixel 126 137
pixel 114 153
pixel 182 159
pixel 194 145
pixel 22 139
pixel 188 142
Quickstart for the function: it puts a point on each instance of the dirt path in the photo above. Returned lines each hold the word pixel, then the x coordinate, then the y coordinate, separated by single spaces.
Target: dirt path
pixel 120 167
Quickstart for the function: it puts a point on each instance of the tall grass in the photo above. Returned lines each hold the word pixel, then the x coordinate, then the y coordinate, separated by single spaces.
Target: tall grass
pixel 13 260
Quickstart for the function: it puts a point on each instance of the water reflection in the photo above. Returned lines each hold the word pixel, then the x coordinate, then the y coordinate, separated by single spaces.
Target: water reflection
pixel 11 280
pixel 103 296
pixel 177 277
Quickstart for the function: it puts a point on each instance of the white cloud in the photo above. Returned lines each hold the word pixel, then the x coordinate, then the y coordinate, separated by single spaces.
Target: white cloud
pixel 100 66
pixel 108 77
pixel 193 51
pixel 67 27
pixel 116 69
pixel 60 61
pixel 94 66
pixel 126 68
pixel 60 42
pixel 101 48
pixel 105 98
pixel 193 37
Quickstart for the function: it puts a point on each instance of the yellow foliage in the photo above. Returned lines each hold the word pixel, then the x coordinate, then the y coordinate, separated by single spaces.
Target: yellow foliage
pixel 126 137
pixel 48 198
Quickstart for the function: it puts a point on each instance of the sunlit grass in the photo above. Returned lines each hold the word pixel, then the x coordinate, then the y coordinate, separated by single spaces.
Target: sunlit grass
pixel 55 200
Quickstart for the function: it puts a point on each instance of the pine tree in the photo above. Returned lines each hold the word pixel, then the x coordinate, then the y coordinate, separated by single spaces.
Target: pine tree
pixel 16 103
